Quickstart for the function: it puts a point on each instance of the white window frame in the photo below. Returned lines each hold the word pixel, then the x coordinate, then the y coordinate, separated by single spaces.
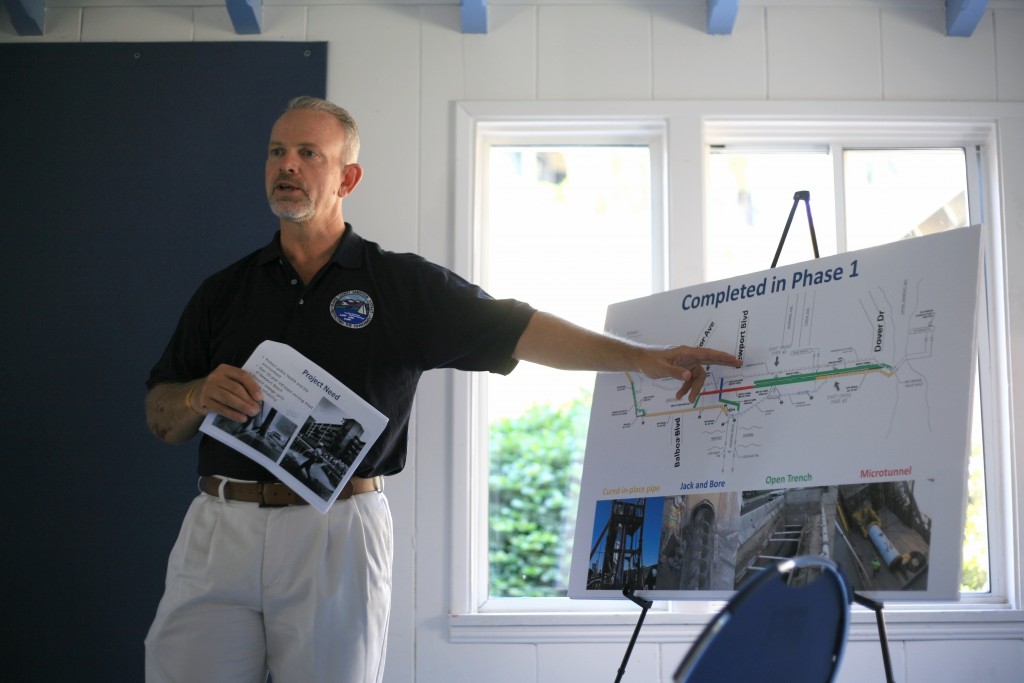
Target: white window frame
pixel 612 130
pixel 691 127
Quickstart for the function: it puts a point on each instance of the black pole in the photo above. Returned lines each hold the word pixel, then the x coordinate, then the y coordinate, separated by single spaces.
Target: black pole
pixel 806 196
pixel 644 606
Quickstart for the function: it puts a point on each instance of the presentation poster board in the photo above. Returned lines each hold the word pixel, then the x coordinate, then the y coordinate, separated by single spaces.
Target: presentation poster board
pixel 846 433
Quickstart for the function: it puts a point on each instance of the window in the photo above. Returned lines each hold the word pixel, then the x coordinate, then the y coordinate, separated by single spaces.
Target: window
pixel 887 194
pixel 696 182
pixel 569 227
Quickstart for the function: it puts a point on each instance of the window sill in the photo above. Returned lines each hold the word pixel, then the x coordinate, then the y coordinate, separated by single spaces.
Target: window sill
pixel 903 623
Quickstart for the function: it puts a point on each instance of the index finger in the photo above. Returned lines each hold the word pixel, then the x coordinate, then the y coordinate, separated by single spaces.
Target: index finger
pixel 716 357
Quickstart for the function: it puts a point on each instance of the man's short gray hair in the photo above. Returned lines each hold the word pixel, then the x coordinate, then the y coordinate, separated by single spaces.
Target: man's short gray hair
pixel 344 118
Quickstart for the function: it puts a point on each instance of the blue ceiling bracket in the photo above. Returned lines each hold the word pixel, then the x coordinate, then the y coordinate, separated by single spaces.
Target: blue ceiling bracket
pixel 962 16
pixel 474 16
pixel 246 16
pixel 27 16
pixel 722 16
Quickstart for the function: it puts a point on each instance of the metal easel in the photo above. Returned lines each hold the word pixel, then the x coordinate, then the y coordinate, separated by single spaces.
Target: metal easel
pixel 873 605
pixel 883 640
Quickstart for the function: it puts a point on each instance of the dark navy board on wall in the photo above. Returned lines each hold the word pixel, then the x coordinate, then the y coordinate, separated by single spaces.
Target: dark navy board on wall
pixel 130 171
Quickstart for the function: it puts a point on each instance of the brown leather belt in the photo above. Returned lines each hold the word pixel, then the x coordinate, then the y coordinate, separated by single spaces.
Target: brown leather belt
pixel 274 494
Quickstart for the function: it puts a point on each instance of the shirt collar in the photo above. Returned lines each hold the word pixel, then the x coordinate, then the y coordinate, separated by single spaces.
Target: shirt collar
pixel 349 253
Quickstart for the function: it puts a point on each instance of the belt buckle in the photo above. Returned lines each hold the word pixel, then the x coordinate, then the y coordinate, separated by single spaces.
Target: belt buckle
pixel 264 503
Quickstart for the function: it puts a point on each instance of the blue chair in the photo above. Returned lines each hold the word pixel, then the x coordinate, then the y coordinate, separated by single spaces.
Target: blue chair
pixel 789 622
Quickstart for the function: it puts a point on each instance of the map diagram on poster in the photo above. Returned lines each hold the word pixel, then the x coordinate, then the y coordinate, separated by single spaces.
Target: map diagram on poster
pixel 845 434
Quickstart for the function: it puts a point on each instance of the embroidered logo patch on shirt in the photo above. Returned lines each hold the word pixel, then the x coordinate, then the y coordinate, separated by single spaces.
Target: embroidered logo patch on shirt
pixel 352 309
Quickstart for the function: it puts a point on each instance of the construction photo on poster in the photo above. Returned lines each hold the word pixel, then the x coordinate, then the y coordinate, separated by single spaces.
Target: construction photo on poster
pixel 846 433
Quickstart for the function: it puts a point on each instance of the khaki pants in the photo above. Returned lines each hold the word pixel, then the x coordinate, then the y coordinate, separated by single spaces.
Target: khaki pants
pixel 303 595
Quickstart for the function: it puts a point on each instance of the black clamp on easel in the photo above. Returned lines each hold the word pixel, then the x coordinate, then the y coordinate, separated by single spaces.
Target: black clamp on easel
pixel 876 607
pixel 644 606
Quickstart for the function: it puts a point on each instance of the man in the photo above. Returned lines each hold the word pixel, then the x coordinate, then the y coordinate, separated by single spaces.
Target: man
pixel 252 587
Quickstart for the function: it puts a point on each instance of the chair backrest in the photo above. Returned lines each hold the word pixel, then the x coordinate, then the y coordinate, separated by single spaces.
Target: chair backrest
pixel 789 623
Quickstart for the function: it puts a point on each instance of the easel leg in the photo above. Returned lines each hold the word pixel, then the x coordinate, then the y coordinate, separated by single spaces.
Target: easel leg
pixel 883 638
pixel 644 606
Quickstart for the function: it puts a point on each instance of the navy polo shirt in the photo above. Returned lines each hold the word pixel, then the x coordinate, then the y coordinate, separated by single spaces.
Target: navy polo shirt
pixel 374 319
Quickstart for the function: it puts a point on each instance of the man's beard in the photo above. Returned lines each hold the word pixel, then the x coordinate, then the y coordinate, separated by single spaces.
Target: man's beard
pixel 295 212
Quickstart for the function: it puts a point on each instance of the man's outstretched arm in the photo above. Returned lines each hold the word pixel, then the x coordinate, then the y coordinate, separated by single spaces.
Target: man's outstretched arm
pixel 554 342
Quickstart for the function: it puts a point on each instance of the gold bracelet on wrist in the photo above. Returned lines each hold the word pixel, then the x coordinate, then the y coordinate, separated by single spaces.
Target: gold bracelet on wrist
pixel 188 401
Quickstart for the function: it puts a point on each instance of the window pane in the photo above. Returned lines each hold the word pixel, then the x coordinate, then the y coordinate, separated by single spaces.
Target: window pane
pixel 975 577
pixel 750 195
pixel 567 229
pixel 892 194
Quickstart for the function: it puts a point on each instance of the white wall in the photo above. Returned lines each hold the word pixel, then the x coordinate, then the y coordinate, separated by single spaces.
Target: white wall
pixel 400 67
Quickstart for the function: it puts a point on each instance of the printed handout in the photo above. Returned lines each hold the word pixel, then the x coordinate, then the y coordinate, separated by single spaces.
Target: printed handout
pixel 312 431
